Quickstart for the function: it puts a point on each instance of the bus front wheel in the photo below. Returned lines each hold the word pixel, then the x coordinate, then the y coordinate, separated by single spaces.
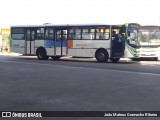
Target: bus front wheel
pixel 101 56
pixel 41 54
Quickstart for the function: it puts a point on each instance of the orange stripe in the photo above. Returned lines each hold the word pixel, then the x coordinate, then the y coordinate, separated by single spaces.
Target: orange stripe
pixel 69 43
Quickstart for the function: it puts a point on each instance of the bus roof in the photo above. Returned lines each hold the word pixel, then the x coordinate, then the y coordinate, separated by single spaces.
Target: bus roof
pixel 61 25
pixel 66 25
pixel 150 27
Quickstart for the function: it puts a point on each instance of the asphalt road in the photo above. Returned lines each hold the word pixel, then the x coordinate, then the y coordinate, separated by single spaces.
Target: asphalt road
pixel 28 84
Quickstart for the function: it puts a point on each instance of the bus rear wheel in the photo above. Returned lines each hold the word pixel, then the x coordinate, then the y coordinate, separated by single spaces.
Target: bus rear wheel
pixel 114 60
pixel 41 54
pixel 101 56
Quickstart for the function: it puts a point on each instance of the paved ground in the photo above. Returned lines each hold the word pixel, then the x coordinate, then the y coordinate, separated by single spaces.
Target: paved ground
pixel 31 84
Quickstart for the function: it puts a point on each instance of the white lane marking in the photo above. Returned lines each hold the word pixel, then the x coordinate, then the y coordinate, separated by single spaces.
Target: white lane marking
pixel 149 62
pixel 66 66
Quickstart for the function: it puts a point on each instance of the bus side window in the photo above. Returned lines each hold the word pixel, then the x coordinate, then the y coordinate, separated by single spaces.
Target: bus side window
pixel 102 34
pixel 46 34
pixel 77 36
pixel 77 33
pixel 92 34
pixel 58 35
pixel 71 34
pixel 40 33
pixel 64 35
pixel 97 34
pixel 49 34
pixel 84 33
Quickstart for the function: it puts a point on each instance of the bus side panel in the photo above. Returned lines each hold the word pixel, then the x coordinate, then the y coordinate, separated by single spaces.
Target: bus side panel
pixel 98 44
pixel 88 52
pixel 49 46
pixel 71 52
pixel 80 47
pixel 81 52
pixel 41 43
pixel 87 48
pixel 18 46
pixel 93 45
pixel 59 50
pixel 64 51
pixel 50 51
pixel 91 52
pixel 79 44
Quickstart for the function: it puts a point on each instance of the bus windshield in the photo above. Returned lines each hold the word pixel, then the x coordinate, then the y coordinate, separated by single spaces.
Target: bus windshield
pixel 149 36
pixel 133 36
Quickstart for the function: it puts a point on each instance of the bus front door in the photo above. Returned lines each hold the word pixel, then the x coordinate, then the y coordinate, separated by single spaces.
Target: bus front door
pixel 60 42
pixel 118 46
pixel 30 39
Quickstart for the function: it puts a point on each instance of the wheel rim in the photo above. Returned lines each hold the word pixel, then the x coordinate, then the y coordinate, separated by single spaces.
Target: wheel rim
pixel 41 54
pixel 101 56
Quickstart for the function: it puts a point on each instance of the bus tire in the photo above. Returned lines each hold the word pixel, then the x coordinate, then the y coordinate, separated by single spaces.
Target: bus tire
pixel 114 60
pixel 101 55
pixel 55 57
pixel 42 54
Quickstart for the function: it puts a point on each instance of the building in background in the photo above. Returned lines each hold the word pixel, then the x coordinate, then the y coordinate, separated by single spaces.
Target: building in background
pixel 5 40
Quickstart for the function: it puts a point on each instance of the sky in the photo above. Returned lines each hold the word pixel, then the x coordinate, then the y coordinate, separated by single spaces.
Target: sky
pixel 37 12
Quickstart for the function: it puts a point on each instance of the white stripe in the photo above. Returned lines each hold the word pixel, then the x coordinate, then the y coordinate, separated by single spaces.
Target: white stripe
pixel 65 66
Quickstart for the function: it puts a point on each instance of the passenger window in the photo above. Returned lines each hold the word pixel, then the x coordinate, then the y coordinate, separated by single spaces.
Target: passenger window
pixel 102 34
pixel 40 33
pixel 49 34
pixel 88 34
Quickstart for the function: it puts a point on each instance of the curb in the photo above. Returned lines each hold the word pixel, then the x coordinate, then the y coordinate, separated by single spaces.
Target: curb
pixel 9 54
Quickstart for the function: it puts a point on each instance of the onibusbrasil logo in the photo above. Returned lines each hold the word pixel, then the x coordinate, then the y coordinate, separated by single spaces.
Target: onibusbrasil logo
pixel 21 114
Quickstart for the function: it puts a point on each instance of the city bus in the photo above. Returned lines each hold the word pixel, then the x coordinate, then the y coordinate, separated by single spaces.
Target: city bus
pixel 149 42
pixel 102 42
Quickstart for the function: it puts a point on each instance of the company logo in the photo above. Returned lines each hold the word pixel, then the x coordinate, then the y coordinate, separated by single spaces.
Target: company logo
pixel 21 114
pixel 6 114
